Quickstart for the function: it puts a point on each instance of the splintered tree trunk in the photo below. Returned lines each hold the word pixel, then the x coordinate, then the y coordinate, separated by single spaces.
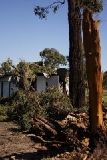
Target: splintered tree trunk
pixel 93 67
pixel 76 77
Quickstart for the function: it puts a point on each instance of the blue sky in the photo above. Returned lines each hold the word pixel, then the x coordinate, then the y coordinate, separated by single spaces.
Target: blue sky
pixel 23 36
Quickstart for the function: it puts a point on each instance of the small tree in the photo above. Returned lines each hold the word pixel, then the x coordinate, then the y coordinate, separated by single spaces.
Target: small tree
pixel 25 73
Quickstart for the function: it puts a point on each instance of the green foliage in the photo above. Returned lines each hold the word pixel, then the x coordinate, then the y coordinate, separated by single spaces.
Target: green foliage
pixel 3 112
pixel 7 66
pixel 25 73
pixel 37 67
pixel 42 12
pixel 94 5
pixel 56 103
pixel 26 105
pixel 52 59
pixel 105 97
pixel 105 80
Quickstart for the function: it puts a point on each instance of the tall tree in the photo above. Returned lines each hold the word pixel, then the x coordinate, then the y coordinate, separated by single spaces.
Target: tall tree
pixel 93 67
pixel 76 76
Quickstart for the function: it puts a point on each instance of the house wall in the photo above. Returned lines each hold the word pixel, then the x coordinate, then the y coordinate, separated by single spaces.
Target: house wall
pixel 53 81
pixel 7 88
pixel 41 84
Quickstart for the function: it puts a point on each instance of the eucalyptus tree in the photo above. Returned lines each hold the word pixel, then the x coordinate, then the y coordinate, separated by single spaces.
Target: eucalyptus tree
pixel 92 49
pixel 76 74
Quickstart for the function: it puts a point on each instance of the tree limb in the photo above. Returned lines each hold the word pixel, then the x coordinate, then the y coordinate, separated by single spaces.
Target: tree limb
pixel 42 12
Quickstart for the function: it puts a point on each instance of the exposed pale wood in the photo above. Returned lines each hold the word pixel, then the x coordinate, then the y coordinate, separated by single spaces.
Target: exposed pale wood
pixel 93 67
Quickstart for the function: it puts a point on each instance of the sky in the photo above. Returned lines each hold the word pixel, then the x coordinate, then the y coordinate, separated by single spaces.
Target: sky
pixel 23 35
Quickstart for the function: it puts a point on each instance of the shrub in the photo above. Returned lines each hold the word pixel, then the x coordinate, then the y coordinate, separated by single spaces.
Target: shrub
pixel 3 112
pixel 57 104
pixel 25 106
pixel 49 104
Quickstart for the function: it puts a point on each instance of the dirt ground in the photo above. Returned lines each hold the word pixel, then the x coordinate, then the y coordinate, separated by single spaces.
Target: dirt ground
pixel 17 145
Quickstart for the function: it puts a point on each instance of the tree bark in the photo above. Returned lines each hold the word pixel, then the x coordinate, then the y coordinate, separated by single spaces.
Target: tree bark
pixel 76 77
pixel 93 68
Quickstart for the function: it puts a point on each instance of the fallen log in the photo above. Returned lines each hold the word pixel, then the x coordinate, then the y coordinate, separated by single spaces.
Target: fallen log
pixel 45 125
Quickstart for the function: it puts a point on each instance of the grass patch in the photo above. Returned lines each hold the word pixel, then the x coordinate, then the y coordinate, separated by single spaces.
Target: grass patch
pixel 105 97
pixel 105 100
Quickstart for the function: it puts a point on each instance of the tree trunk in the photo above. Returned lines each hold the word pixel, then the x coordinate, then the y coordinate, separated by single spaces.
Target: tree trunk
pixel 93 68
pixel 76 77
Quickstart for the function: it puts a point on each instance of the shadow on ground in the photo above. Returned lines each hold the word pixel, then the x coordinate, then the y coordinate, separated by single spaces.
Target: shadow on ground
pixel 39 155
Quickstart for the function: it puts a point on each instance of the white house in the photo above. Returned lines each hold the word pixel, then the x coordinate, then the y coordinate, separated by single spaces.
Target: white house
pixel 43 82
pixel 7 86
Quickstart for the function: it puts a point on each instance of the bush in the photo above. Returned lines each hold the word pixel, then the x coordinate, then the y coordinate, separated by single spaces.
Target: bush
pixel 50 104
pixel 3 113
pixel 57 104
pixel 24 107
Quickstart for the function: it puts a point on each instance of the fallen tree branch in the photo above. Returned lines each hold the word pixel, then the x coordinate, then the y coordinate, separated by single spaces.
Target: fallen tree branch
pixel 49 142
pixel 46 125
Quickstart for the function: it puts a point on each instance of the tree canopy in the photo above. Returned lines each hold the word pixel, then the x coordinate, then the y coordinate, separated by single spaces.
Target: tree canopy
pixel 7 66
pixel 52 59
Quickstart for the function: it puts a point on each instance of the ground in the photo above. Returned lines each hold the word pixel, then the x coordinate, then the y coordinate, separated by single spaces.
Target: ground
pixel 18 145
pixel 15 143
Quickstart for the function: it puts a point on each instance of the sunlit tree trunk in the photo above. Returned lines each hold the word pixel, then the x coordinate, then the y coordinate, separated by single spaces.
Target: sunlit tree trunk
pixel 93 68
pixel 76 78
